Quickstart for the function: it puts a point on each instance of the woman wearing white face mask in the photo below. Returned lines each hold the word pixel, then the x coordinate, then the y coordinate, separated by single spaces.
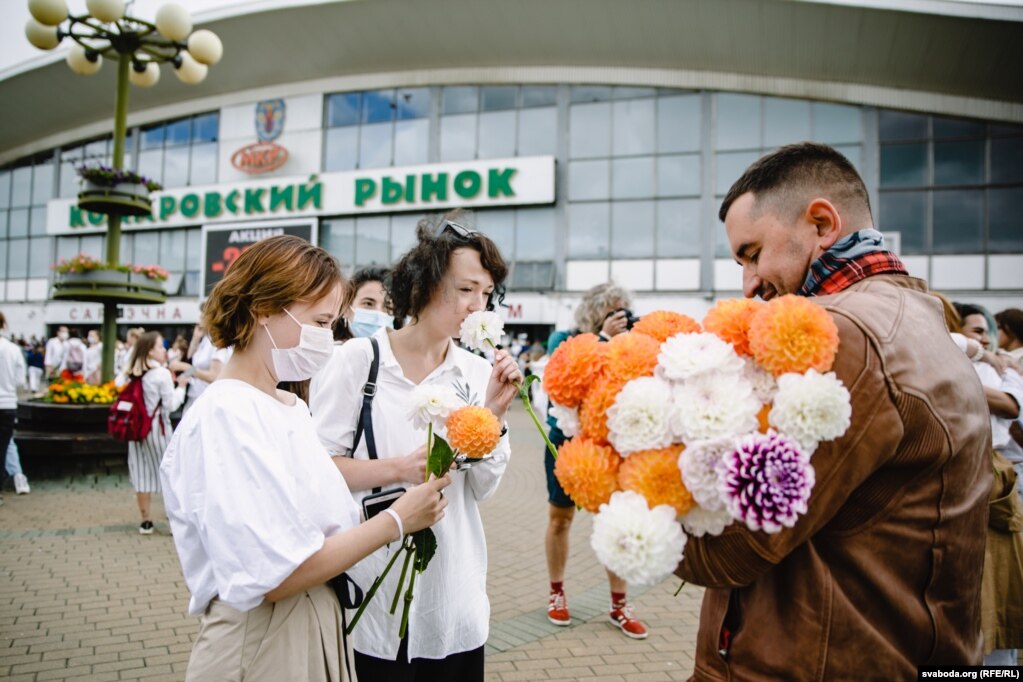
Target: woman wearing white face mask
pixel 261 517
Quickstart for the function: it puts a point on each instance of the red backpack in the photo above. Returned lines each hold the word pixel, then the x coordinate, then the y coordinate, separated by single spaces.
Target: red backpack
pixel 129 419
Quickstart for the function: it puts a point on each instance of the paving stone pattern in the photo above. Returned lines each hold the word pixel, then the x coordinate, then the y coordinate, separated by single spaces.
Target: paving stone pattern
pixel 84 597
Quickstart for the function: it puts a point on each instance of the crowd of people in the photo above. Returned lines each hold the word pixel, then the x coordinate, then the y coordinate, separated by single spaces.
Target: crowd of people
pixel 295 389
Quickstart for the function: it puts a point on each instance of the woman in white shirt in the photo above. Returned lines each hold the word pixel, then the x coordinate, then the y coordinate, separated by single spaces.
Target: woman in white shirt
pixel 162 397
pixel 437 284
pixel 261 517
pixel 206 363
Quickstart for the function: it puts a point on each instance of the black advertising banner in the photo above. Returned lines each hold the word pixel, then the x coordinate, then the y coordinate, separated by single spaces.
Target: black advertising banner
pixel 222 244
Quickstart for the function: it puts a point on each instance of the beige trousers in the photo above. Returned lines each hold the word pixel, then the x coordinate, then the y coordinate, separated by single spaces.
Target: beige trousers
pixel 298 638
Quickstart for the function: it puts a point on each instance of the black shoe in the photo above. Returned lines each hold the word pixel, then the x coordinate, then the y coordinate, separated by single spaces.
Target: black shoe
pixel 146 528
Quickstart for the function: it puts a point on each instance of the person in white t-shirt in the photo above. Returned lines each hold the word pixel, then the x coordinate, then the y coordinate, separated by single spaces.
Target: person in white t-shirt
pixel 261 517
pixel 12 377
pixel 93 357
pixel 449 274
pixel 204 367
pixel 54 357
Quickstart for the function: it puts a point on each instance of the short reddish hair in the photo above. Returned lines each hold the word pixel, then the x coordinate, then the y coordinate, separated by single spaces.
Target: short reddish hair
pixel 268 277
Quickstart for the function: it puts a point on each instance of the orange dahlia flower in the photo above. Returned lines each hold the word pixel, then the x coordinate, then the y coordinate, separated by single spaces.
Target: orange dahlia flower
pixel 729 320
pixel 593 411
pixel 793 334
pixel 632 355
pixel 664 324
pixel 655 475
pixel 473 431
pixel 573 367
pixel 587 471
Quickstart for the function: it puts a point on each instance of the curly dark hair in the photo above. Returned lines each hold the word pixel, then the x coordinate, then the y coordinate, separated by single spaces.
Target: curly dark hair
pixel 419 272
pixel 369 273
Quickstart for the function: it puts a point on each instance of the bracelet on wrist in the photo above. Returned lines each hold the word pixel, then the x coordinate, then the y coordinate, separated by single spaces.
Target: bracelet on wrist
pixel 397 521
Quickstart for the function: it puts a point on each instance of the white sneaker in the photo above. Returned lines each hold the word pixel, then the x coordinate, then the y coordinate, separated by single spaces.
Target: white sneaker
pixel 21 484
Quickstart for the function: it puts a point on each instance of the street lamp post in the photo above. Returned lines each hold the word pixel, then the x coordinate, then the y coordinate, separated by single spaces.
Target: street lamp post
pixel 139 47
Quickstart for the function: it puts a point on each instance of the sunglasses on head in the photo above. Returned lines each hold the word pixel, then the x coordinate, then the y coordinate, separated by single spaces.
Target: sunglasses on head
pixel 460 231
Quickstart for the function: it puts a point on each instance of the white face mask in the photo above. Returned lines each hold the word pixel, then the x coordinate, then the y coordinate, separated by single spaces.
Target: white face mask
pixel 62 336
pixel 315 346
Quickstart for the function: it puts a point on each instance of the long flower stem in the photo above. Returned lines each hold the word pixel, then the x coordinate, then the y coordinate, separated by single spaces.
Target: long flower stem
pixel 401 579
pixel 372 591
pixel 408 602
pixel 524 397
pixel 429 449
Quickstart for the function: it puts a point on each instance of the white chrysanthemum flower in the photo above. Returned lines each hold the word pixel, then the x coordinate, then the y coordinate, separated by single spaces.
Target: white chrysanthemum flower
pixel 567 418
pixel 640 416
pixel 687 355
pixel 699 464
pixel 699 521
pixel 763 382
pixel 714 406
pixel 482 330
pixel 641 545
pixel 432 403
pixel 811 408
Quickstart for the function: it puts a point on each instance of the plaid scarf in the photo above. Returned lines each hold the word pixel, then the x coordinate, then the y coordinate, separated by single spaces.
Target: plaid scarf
pixel 849 260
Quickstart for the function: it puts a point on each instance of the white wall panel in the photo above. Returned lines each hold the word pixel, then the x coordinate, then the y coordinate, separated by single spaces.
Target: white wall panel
pixel 727 275
pixel 1005 272
pixel 580 275
pixel 678 274
pixel 634 275
pixel 957 272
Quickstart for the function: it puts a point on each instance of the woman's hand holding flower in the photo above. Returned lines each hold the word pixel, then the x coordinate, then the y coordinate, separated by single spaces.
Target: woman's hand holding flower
pixel 504 382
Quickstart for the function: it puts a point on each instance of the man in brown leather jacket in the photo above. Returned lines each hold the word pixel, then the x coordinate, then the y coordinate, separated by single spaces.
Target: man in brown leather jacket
pixel 883 573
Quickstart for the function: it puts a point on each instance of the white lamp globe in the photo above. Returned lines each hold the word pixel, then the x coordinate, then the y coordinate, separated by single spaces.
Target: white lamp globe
pixel 48 12
pixel 190 72
pixel 172 21
pixel 205 47
pixel 42 36
pixel 107 11
pixel 146 78
pixel 80 64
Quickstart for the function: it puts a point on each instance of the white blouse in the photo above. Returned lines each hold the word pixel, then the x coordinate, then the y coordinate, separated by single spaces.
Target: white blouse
pixel 450 612
pixel 158 388
pixel 203 359
pixel 250 494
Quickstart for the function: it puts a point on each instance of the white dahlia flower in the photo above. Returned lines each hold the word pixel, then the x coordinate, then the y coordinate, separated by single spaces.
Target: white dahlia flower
pixel 482 330
pixel 641 545
pixel 432 403
pixel 811 408
pixel 714 406
pixel 639 419
pixel 687 355
pixel 699 521
pixel 567 418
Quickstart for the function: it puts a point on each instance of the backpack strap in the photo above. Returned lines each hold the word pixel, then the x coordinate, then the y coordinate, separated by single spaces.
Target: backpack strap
pixel 369 390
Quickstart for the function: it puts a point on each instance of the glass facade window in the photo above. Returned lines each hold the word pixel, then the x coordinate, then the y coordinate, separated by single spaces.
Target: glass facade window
pixel 948 163
pixel 179 153
pixel 376 129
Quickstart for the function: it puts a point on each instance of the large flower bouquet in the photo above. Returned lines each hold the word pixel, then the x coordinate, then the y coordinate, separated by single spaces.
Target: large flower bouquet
pixel 457 430
pixel 680 429
pixel 71 389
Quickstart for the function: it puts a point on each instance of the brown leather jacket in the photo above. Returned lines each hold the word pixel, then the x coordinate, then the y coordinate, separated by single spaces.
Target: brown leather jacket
pixel 883 573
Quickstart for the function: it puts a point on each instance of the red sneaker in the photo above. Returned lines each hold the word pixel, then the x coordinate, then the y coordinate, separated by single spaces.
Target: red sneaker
pixel 621 618
pixel 557 609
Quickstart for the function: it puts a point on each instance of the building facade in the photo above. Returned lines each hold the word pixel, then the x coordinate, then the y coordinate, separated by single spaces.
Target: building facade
pixel 579 176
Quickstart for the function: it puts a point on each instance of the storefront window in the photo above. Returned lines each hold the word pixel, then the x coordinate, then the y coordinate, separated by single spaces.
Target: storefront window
pixel 497 135
pixel 589 130
pixel 589 180
pixel 538 131
pixel 375 145
pixel 738 122
pixel 958 221
pixel 785 121
pixel 959 163
pixel 678 228
pixel 632 178
pixel 1005 233
pixel 589 230
pixel 40 257
pixel 460 100
pixel 458 137
pixel 633 226
pixel 904 165
pixel 679 175
pixel 634 129
pixel 1006 159
pixel 906 213
pixel 894 126
pixel 678 123
pixel 836 123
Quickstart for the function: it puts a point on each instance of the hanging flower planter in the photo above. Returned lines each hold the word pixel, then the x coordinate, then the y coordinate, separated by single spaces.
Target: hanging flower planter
pixel 83 278
pixel 113 191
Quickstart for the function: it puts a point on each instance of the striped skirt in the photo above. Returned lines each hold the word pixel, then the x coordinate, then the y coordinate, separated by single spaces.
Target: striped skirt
pixel 144 458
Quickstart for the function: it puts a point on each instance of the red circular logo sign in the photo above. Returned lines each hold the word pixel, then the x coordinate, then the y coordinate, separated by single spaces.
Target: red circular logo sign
pixel 260 157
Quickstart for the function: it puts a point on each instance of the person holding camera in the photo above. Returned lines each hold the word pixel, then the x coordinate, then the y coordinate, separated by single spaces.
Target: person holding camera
pixel 452 271
pixel 604 310
pixel 261 517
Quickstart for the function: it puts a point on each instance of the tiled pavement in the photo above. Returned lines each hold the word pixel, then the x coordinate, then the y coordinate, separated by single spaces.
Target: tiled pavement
pixel 84 597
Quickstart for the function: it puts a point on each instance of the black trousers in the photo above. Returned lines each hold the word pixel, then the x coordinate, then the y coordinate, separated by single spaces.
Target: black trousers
pixel 7 418
pixel 462 667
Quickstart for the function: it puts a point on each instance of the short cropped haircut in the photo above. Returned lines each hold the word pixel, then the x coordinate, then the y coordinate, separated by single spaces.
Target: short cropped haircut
pixel 792 175
pixel 1009 320
pixel 419 272
pixel 271 275
pixel 597 302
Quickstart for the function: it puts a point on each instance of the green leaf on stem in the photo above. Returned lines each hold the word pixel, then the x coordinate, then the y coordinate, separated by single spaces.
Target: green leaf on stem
pixel 426 547
pixel 440 457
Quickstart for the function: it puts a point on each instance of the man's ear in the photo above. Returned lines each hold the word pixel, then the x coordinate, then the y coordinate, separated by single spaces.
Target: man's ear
pixel 828 221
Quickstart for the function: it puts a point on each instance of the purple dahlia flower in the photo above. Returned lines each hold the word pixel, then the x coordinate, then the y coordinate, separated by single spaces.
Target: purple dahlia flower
pixel 766 481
